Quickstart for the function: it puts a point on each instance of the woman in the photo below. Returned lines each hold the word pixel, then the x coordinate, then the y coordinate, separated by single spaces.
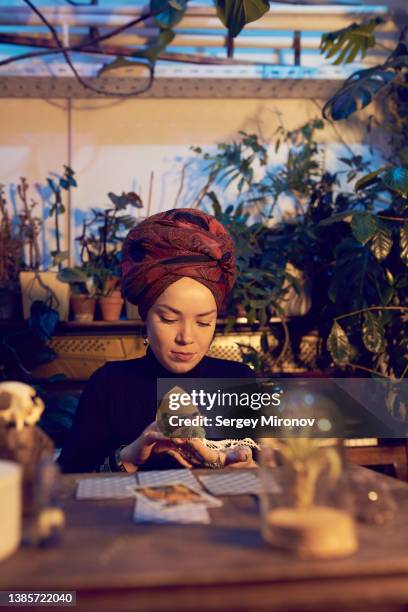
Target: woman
pixel 178 267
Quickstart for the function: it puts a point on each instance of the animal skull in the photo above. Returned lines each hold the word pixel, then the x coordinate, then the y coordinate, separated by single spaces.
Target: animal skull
pixel 19 404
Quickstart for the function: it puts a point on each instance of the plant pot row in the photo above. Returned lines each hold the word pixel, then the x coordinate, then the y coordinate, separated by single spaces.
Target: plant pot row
pixel 83 307
pixel 15 302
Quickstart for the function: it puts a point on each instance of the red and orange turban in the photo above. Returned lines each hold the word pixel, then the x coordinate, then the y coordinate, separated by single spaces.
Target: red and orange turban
pixel 176 243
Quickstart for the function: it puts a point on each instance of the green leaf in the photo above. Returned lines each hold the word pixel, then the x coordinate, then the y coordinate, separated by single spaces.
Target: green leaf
pixel 264 342
pixel 59 257
pixel 402 282
pixel 172 12
pixel 345 216
pixel 235 14
pixel 72 275
pixel 215 203
pixel 251 315
pixel 156 46
pixel 262 316
pixel 339 345
pixel 396 179
pixel 404 243
pixel 362 86
pixel 122 62
pixel 358 91
pixel 363 226
pixel 369 179
pixel 373 333
pixel 381 244
pixel 390 277
pixel 348 42
pixel 238 210
pixel 387 295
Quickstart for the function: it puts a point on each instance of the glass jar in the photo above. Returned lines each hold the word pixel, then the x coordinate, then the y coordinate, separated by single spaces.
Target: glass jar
pixel 304 497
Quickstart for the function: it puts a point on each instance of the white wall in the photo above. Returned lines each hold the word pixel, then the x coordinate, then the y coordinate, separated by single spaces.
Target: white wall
pixel 116 144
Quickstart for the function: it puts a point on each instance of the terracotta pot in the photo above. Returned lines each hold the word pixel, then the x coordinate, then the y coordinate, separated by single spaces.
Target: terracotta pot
pixel 83 307
pixel 111 306
pixel 240 312
pixel 132 312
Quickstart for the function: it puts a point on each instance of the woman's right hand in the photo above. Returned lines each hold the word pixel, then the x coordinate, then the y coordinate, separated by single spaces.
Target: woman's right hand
pixel 151 441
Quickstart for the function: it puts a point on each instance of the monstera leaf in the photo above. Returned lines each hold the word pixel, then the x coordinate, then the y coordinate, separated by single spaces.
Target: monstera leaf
pixel 362 86
pixel 349 42
pixel 235 14
pixel 358 91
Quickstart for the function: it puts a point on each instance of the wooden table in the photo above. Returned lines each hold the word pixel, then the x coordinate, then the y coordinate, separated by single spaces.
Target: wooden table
pixel 114 564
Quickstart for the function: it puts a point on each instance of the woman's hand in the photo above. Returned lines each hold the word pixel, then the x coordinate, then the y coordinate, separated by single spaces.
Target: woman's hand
pixel 199 455
pixel 151 441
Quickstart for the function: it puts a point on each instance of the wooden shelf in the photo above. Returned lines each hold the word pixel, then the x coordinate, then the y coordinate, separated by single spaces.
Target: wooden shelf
pixel 126 326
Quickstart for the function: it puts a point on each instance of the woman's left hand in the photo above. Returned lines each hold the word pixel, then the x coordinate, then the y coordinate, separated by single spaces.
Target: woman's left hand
pixel 200 455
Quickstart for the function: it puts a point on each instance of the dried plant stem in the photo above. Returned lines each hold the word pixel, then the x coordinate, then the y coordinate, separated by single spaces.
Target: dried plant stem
pixel 370 308
pixel 182 179
pixel 30 225
pixel 149 197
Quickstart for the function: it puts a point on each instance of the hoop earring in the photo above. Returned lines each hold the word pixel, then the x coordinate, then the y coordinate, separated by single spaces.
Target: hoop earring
pixel 145 341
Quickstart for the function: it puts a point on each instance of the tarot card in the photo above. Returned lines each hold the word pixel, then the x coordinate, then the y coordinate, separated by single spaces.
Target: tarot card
pixel 174 494
pixel 147 512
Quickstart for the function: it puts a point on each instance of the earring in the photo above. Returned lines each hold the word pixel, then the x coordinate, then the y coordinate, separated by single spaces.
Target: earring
pixel 145 341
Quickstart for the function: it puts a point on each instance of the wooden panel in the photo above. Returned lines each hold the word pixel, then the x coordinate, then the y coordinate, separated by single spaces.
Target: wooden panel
pixel 395 455
pixel 80 355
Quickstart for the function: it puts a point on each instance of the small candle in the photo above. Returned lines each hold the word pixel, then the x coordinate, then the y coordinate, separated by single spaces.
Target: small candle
pixel 10 507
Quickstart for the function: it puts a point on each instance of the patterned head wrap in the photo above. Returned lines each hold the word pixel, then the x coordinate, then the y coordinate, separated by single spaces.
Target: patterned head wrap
pixel 176 243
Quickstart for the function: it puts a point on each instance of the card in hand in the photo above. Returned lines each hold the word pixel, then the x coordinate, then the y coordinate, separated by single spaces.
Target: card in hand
pixel 174 494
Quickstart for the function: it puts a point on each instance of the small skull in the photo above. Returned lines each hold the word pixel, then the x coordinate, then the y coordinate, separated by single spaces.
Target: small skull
pixel 19 404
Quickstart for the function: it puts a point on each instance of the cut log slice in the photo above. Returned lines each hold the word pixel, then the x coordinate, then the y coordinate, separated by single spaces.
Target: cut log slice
pixel 317 532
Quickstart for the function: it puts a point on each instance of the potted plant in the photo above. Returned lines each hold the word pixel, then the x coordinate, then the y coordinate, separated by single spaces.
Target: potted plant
pixel 100 243
pixel 272 275
pixel 37 284
pixel 83 291
pixel 367 323
pixel 10 259
pixel 110 300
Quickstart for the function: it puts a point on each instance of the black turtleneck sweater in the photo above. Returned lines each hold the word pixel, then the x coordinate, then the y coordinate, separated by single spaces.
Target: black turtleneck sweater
pixel 119 402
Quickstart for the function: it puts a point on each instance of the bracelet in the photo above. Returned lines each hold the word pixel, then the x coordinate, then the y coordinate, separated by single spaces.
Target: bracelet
pixel 115 462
